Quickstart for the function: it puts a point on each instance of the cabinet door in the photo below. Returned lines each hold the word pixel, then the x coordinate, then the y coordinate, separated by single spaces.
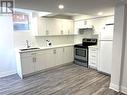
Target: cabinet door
pixel 59 56
pixel 41 27
pixel 27 65
pixel 50 58
pixel 40 63
pixel 51 26
pixel 68 54
pixel 65 26
pixel 70 27
pixel 93 57
pixel 77 25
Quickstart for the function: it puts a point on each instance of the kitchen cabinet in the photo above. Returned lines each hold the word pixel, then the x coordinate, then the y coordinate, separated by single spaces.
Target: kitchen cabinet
pixel 40 60
pixel 27 65
pixel 68 54
pixel 50 58
pixel 29 62
pixel 59 56
pixel 39 26
pixel 70 27
pixel 77 25
pixel 93 57
pixel 65 27
pixel 81 24
pixel 51 26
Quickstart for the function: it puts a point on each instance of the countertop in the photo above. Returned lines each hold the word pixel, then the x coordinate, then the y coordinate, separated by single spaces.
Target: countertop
pixel 94 46
pixel 43 48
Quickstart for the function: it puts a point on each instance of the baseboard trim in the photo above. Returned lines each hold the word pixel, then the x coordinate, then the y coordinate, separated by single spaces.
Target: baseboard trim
pixel 114 87
pixel 4 74
pixel 124 89
pixel 45 70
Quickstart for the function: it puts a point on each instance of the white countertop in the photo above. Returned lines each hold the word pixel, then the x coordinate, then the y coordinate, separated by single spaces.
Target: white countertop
pixel 43 48
pixel 94 46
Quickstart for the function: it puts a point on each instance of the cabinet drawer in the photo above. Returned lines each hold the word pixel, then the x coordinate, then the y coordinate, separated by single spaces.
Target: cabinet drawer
pixel 27 54
pixel 92 62
pixel 93 51
pixel 92 58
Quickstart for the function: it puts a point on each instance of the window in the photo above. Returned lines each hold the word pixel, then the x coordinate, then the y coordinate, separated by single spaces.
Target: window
pixel 21 22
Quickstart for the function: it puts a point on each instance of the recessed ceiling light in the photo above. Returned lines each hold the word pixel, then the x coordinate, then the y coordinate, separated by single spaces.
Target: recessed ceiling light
pixel 100 13
pixel 61 6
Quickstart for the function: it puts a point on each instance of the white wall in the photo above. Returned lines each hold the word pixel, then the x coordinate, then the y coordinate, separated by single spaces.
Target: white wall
pixel 124 65
pixel 7 62
pixel 21 37
pixel 119 65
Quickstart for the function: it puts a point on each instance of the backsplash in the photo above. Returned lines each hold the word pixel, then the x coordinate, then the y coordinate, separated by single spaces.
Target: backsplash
pixel 55 40
pixel 78 38
pixel 40 41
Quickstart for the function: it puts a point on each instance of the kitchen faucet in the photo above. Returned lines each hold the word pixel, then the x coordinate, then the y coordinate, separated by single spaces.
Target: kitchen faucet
pixel 27 43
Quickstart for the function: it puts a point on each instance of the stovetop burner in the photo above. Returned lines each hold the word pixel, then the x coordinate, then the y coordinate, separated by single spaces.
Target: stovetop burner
pixel 87 42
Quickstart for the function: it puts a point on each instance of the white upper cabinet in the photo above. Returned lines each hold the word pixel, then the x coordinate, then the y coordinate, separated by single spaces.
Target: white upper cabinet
pixel 70 27
pixel 51 26
pixel 77 25
pixel 39 26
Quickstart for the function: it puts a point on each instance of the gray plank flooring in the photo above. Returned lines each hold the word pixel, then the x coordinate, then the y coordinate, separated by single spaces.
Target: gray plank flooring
pixel 65 80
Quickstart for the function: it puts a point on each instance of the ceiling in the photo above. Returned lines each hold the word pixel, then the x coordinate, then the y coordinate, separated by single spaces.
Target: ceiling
pixel 88 7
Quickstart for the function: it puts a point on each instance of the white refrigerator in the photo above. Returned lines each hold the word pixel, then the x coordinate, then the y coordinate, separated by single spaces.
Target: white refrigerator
pixel 105 49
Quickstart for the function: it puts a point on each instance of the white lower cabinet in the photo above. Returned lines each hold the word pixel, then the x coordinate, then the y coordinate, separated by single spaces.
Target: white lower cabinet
pixel 93 57
pixel 27 65
pixel 36 61
pixel 40 61
pixel 50 58
pixel 68 54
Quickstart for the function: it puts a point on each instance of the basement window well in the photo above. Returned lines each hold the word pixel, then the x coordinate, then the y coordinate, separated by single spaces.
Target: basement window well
pixel 21 22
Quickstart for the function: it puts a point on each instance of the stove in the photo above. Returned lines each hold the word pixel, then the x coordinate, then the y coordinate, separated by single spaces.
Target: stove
pixel 81 51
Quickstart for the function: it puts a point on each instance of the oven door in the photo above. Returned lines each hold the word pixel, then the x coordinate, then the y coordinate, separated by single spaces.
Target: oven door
pixel 81 53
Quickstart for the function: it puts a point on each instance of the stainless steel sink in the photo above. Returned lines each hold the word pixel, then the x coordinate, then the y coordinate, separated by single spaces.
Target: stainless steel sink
pixel 29 49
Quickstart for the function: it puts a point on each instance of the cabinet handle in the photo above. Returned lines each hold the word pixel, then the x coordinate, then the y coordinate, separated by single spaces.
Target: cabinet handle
pixel 61 32
pixel 54 51
pixel 68 31
pixel 93 63
pixel 33 54
pixel 47 32
pixel 94 50
pixel 93 56
pixel 33 59
pixel 63 49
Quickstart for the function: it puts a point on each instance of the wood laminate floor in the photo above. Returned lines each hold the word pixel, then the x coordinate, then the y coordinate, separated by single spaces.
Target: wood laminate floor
pixel 65 80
